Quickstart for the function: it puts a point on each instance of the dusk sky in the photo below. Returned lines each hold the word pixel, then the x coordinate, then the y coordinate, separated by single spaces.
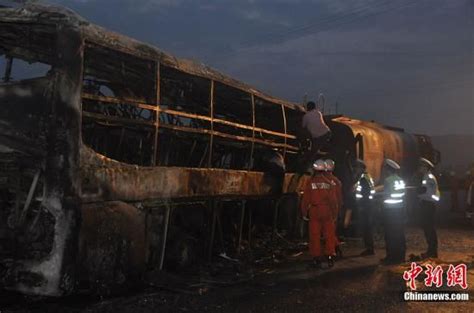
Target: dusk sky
pixel 400 62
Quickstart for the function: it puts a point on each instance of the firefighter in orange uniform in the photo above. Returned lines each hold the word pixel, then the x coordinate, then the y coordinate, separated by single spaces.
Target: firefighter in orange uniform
pixel 330 164
pixel 337 193
pixel 318 206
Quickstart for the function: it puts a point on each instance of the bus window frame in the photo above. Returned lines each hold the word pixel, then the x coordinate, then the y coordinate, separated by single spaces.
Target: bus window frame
pixel 157 108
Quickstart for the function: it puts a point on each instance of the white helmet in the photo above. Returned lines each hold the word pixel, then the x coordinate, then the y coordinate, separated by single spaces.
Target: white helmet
pixel 319 165
pixel 426 162
pixel 392 164
pixel 330 164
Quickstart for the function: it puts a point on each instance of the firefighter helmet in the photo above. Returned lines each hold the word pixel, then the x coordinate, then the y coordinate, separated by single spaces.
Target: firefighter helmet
pixel 330 164
pixel 392 164
pixel 319 165
pixel 424 161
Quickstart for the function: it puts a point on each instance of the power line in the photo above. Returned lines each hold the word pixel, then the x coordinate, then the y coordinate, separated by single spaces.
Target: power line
pixel 410 89
pixel 328 20
pixel 329 23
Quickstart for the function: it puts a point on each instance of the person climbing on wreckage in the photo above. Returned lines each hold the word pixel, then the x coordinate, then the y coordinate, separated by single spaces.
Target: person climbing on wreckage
pixel 314 135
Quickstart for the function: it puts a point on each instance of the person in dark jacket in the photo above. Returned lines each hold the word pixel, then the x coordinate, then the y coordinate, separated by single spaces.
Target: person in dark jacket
pixel 364 196
pixel 429 196
pixel 393 213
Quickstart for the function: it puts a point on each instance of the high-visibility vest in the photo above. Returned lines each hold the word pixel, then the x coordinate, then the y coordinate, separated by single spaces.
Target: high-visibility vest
pixel 432 193
pixel 367 181
pixel 394 191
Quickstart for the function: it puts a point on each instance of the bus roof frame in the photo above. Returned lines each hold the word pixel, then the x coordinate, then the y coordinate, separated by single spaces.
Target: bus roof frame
pixel 91 33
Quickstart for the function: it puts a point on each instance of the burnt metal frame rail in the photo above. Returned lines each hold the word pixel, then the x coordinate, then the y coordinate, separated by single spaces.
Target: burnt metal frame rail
pixel 211 132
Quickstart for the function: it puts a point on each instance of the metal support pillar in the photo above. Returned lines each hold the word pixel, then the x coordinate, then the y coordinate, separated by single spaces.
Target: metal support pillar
pixel 276 206
pixel 250 228
pixel 29 198
pixel 164 235
pixel 219 227
pixel 213 229
pixel 241 225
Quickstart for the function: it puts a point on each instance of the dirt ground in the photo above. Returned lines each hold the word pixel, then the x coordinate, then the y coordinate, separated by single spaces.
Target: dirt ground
pixel 355 284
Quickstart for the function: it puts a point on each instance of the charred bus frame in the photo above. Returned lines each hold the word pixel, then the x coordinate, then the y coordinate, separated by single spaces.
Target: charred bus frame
pixel 96 151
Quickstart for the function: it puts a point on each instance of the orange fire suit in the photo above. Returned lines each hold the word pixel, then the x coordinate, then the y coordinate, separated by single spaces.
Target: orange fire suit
pixel 318 202
pixel 337 194
pixel 337 191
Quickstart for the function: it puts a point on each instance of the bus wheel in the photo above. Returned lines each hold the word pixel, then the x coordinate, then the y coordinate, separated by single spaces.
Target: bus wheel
pixel 112 246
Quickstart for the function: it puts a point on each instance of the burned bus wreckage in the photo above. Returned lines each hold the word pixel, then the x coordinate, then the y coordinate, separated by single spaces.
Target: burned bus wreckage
pixel 118 153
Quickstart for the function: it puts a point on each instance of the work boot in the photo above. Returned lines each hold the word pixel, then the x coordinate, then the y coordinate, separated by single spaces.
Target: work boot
pixel 316 264
pixel 330 261
pixel 367 252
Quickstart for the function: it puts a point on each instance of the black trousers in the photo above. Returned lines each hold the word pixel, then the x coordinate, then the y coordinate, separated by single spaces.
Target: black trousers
pixel 427 221
pixel 367 223
pixel 394 225
pixel 319 142
pixel 311 155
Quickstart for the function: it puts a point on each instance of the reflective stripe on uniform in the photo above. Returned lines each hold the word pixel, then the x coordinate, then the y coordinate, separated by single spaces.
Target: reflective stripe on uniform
pixel 394 188
pixel 432 193
pixel 315 186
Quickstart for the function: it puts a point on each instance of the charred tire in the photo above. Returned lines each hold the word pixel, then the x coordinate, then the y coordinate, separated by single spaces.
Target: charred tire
pixel 112 247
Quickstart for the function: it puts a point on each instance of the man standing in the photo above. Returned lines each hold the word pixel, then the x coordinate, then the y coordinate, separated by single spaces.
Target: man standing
pixel 364 195
pixel 330 165
pixel 337 195
pixel 318 207
pixel 393 214
pixel 275 171
pixel 429 194
pixel 313 123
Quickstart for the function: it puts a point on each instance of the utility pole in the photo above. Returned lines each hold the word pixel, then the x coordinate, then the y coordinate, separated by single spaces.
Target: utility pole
pixel 321 101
